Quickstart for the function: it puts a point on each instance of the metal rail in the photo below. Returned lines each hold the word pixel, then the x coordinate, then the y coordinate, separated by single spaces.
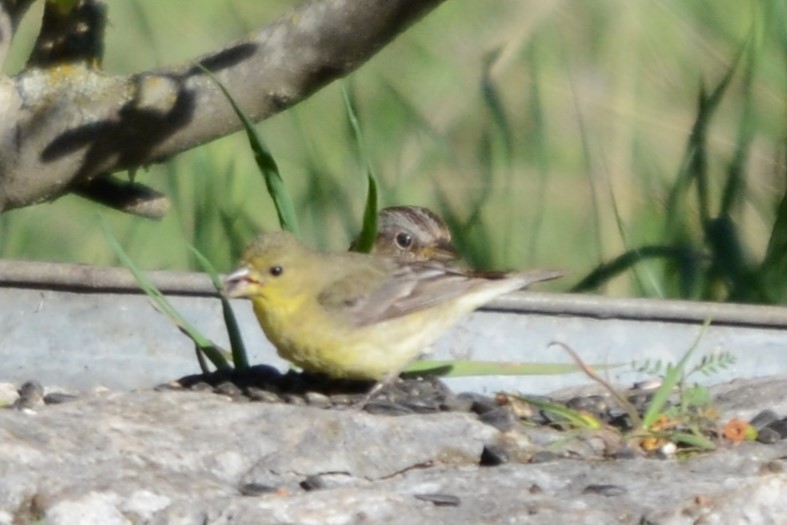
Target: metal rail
pixel 85 278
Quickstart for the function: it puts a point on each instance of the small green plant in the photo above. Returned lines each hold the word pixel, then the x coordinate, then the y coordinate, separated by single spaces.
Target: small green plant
pixel 369 229
pixel 204 346
pixel 238 348
pixel 462 368
pixel 266 164
pixel 690 422
pixel 709 364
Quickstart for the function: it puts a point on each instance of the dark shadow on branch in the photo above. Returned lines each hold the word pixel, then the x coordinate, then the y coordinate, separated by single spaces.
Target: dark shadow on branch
pixel 224 59
pixel 129 138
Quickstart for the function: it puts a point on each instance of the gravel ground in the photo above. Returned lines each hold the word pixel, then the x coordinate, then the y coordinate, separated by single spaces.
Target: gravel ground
pixel 262 447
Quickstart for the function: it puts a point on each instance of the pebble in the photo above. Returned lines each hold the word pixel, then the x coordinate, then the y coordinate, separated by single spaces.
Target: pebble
pixel 493 455
pixel 314 482
pixel 648 384
pixel 501 418
pixel 258 394
pixel 544 456
pixel 627 452
pixel 621 421
pixel 439 500
pixel 293 399
pixel 57 398
pixel 386 408
pixel 768 436
pixel 422 406
pixel 763 419
pixel 343 400
pixel 605 490
pixel 317 399
pixel 479 403
pixel 457 404
pixel 595 404
pixel 780 427
pixel 256 489
pixel 228 389
pixel 31 394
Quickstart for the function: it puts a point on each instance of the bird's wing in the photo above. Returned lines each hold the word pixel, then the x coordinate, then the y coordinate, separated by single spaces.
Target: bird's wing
pixel 366 295
pixel 362 301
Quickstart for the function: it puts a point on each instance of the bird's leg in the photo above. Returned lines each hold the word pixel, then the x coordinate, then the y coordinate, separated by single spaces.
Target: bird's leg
pixel 389 378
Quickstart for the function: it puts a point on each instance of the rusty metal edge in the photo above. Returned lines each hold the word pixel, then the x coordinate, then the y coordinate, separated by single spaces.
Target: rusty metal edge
pixel 95 279
pixel 98 279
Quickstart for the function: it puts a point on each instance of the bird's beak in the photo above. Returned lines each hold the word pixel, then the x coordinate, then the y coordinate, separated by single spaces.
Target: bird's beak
pixel 442 251
pixel 241 283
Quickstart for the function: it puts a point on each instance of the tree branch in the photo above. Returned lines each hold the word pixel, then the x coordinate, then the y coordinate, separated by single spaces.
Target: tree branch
pixel 67 124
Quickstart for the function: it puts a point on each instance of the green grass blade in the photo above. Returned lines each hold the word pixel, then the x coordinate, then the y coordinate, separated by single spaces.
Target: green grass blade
pixel 495 105
pixel 774 266
pixel 695 161
pixel 537 147
pixel 730 264
pixel 673 376
pixel 464 368
pixel 609 270
pixel 735 186
pixel 572 417
pixel 273 180
pixel 369 229
pixel 208 347
pixel 237 347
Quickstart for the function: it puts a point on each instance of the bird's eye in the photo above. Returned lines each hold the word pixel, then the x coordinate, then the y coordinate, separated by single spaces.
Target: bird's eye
pixel 276 270
pixel 404 240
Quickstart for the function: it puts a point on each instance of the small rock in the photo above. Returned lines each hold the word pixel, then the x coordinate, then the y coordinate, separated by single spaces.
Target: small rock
pixel 316 399
pixel 763 419
pixel 780 427
pixel 621 421
pixel 30 394
pixel 544 456
pixel 344 400
pixel 479 403
pixel 228 389
pixel 422 406
pixel 294 399
pixel 313 482
pixel 595 404
pixel 256 489
pixel 648 384
pixel 57 398
pixel 768 436
pixel 501 418
pixel 258 394
pixel 457 404
pixel 440 500
pixel 627 452
pixel 605 490
pixel 386 408
pixel 493 455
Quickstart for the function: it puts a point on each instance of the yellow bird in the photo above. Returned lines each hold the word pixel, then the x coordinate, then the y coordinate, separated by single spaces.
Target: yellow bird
pixel 413 233
pixel 358 316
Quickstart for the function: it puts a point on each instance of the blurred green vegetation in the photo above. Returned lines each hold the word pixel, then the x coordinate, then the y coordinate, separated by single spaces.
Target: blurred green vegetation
pixel 558 134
